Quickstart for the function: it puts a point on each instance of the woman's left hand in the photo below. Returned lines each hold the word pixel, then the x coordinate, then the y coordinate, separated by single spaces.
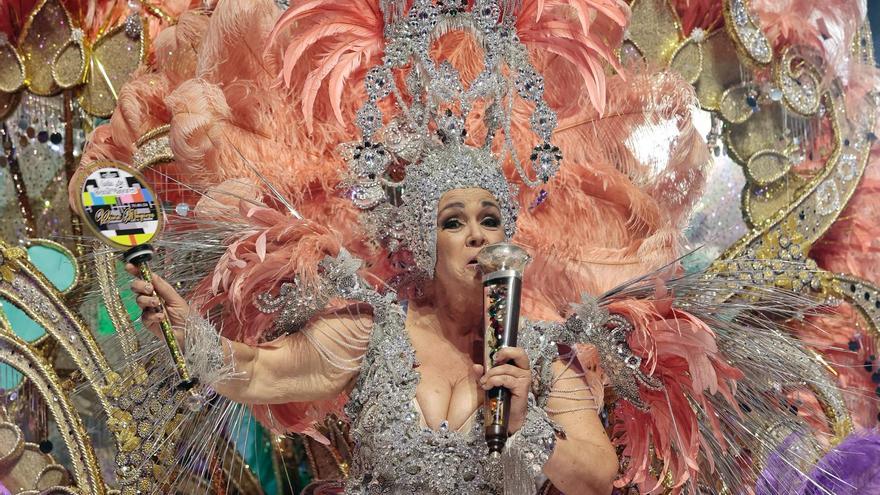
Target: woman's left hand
pixel 512 372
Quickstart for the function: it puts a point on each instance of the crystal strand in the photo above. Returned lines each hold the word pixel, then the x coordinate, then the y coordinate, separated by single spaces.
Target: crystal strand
pixel 508 140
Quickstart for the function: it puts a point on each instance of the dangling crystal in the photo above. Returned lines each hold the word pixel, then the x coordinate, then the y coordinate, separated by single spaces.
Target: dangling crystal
pixel 133 26
pixel 545 161
pixel 542 196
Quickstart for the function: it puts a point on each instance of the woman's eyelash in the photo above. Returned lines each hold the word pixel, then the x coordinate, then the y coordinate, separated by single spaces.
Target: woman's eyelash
pixel 451 223
pixel 489 221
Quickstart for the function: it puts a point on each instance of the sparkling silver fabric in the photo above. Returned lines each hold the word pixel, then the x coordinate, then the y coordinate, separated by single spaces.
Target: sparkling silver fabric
pixel 204 354
pixel 592 324
pixel 296 302
pixel 395 454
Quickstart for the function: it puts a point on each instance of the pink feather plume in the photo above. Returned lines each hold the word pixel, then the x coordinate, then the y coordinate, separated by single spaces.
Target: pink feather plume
pixel 681 352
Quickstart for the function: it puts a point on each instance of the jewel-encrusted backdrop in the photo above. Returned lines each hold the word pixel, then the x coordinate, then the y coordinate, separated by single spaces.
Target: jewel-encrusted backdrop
pixel 791 148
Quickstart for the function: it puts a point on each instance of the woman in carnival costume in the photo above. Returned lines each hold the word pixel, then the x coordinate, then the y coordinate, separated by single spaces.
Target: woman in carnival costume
pixel 368 305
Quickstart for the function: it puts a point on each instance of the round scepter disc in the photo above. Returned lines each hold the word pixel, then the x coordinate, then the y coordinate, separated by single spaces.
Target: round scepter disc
pixel 119 205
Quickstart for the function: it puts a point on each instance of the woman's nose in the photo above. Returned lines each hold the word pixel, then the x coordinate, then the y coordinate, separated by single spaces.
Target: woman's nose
pixel 476 237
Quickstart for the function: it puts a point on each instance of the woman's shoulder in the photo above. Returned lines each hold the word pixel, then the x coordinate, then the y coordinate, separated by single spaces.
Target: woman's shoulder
pixel 351 319
pixel 355 311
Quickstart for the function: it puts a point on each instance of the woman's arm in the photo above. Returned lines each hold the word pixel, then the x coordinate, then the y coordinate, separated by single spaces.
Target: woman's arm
pixel 584 462
pixel 315 363
pixel 319 362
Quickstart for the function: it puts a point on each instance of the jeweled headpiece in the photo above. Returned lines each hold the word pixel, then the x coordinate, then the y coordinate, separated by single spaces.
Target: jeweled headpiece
pixel 427 134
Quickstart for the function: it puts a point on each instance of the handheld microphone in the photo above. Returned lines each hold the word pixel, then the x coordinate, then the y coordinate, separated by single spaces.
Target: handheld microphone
pixel 502 266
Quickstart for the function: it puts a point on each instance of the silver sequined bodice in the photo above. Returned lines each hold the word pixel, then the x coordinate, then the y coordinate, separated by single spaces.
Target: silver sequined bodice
pixel 394 452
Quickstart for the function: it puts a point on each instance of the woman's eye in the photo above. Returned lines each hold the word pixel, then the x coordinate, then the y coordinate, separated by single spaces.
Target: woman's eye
pixel 451 223
pixel 492 222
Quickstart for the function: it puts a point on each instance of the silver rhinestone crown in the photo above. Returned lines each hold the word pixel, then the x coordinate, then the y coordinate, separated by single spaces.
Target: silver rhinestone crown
pixel 426 136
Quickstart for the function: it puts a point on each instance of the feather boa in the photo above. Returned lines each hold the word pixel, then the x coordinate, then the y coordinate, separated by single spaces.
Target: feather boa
pixel 850 468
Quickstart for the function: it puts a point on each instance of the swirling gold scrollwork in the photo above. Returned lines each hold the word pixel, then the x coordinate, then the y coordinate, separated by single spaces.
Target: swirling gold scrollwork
pixel 799 81
pixel 17 353
pixel 746 32
pixel 719 72
pixel 153 148
pixel 813 206
pixel 768 166
pixel 865 296
pixel 687 59
pixel 25 287
pixel 733 105
pixel 656 35
pixel 110 61
pixel 54 54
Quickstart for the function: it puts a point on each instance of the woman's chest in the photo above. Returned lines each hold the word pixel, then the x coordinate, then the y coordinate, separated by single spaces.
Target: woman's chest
pixel 447 389
pixel 447 393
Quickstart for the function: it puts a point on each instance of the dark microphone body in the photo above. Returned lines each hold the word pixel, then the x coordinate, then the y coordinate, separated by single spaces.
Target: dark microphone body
pixel 502 266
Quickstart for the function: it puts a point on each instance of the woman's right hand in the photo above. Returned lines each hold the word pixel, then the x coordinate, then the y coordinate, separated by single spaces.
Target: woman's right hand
pixel 148 295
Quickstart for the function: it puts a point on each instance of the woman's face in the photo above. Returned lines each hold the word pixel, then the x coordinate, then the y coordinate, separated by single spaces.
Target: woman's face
pixel 467 220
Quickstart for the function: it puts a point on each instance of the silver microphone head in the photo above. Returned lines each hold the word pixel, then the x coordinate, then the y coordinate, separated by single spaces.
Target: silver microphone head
pixel 503 256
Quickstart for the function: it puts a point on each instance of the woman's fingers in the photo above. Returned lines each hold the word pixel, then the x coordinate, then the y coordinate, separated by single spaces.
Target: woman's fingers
pixel 512 383
pixel 158 284
pixel 147 302
pixel 515 354
pixel 510 377
pixel 139 286
pixel 153 317
pixel 507 369
pixel 511 362
pixel 166 292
